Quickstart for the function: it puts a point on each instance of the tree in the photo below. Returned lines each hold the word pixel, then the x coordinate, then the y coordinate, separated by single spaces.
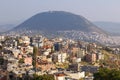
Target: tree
pixel 35 51
pixel 1 60
pixel 107 74
pixel 44 77
pixel 21 60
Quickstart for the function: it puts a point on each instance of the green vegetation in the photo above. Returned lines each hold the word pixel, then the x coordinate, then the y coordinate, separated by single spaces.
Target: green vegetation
pixel 1 60
pixel 44 77
pixel 107 74
pixel 21 60
pixel 81 79
pixel 110 60
pixel 35 51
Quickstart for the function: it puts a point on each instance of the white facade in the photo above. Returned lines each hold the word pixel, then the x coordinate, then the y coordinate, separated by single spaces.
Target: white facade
pixel 61 78
pixel 62 57
pixel 16 52
pixel 2 38
pixel 100 56
pixel 78 60
pixel 46 53
pixel 30 49
pixel 77 75
pixel 26 39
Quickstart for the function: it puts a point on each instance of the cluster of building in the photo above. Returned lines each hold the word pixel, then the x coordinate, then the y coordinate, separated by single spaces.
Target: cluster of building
pixel 91 36
pixel 24 56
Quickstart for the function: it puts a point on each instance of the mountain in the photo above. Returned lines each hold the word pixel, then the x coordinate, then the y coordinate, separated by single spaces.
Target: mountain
pixel 6 27
pixel 111 27
pixel 53 21
pixel 63 24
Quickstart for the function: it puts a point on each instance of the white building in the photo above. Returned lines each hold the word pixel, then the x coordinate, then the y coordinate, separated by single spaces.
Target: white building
pixel 60 76
pixel 26 39
pixel 100 56
pixel 77 75
pixel 78 60
pixel 16 52
pixel 62 57
pixel 2 38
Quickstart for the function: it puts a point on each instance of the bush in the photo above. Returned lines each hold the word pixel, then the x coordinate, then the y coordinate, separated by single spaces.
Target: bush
pixel 44 77
pixel 107 74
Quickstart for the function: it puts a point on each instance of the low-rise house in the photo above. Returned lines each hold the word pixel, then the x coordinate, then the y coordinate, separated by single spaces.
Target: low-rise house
pixel 90 69
pixel 60 76
pixel 76 75
pixel 16 52
pixel 89 78
pixel 78 60
pixel 74 67
pixel 27 49
pixel 91 57
pixel 53 71
pixel 26 40
pixel 100 56
pixel 28 60
pixel 44 65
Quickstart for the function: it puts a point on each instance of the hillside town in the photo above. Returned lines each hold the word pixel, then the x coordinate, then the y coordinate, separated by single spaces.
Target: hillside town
pixel 24 57
pixel 105 39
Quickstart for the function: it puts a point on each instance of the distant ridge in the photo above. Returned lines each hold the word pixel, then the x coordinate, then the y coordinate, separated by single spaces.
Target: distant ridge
pixel 112 27
pixel 53 21
pixel 6 27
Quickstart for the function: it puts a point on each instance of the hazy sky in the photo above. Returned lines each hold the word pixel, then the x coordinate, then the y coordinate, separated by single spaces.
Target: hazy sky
pixel 16 11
